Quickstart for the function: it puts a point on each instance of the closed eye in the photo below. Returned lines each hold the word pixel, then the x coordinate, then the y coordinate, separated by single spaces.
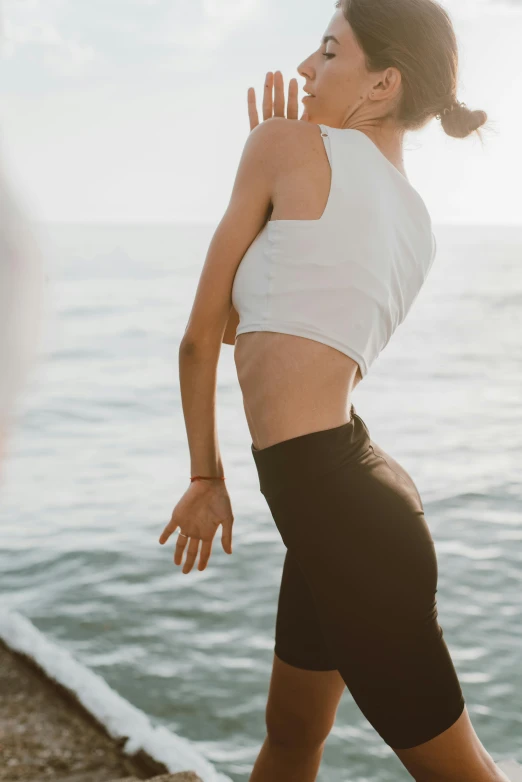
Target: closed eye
pixel 327 54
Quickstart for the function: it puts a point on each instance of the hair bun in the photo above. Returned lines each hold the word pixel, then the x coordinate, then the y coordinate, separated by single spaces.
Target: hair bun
pixel 459 121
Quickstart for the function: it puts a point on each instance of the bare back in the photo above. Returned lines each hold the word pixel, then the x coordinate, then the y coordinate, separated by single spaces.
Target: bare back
pixel 292 385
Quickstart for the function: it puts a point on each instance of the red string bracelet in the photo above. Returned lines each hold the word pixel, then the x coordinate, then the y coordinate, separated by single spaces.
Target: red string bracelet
pixel 207 478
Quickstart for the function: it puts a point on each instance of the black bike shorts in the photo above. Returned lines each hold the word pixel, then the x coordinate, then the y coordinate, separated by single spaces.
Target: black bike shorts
pixel 359 579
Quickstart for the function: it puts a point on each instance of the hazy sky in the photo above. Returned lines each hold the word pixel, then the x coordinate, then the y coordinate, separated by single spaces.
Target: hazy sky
pixel 121 110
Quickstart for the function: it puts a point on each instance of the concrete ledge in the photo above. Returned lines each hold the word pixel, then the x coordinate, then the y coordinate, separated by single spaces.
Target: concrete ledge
pixel 46 735
pixel 184 776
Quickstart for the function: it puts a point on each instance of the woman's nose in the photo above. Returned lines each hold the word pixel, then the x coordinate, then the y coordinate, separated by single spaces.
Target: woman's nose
pixel 305 70
pixel 306 73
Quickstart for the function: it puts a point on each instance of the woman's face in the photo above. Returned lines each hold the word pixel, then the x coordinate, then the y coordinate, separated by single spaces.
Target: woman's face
pixel 336 76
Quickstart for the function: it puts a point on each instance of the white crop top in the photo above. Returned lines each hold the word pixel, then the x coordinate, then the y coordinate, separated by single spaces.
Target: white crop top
pixel 348 279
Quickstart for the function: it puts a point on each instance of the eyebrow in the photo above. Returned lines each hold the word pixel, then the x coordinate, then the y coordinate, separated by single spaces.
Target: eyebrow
pixel 327 38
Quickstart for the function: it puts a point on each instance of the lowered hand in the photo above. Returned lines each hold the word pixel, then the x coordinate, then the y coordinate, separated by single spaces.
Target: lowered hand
pixel 204 506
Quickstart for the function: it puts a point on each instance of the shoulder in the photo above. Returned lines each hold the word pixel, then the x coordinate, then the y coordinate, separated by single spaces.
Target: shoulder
pixel 286 128
pixel 281 141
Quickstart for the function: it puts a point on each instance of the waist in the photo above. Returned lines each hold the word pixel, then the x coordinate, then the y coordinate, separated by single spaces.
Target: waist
pixel 292 385
pixel 305 458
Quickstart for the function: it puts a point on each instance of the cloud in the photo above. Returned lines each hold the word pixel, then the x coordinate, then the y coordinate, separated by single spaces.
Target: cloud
pixel 175 34
pixel 30 24
pixel 195 38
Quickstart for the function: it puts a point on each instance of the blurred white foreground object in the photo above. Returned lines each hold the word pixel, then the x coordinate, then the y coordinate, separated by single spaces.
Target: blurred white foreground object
pixel 21 298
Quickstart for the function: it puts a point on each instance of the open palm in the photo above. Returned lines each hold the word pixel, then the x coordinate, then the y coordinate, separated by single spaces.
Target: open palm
pixel 274 100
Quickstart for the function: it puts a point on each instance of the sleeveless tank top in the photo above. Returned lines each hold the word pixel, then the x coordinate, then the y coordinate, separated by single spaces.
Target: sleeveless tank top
pixel 349 278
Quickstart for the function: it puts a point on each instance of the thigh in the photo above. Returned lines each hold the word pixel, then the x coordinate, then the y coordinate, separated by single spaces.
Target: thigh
pixel 455 754
pixel 367 556
pixel 298 633
pixel 302 704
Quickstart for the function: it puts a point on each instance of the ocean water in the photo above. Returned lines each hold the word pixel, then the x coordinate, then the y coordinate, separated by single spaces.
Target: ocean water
pixel 100 458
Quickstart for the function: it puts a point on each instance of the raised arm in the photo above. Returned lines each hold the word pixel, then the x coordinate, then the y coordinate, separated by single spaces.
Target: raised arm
pixel 273 105
pixel 200 510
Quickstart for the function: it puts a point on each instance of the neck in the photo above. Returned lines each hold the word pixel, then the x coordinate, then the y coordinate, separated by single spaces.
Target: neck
pixel 388 139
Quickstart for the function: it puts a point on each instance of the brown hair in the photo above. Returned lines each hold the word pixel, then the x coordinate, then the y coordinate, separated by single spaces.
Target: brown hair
pixel 417 38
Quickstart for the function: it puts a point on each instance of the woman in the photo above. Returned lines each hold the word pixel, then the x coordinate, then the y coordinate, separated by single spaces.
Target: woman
pixel 322 250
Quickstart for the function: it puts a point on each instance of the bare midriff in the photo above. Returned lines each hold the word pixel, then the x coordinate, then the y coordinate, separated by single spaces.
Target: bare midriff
pixel 292 385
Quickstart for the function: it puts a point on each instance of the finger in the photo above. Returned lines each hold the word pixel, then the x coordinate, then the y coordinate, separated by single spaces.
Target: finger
pixel 180 548
pixel 291 111
pixel 279 95
pixel 167 532
pixel 252 108
pixel 267 96
pixel 304 116
pixel 206 548
pixel 192 553
pixel 226 538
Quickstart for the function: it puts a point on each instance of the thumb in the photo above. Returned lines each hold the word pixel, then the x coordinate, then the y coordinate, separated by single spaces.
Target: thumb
pixel 304 116
pixel 226 538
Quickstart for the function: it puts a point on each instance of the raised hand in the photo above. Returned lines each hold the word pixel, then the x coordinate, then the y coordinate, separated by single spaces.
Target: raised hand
pixel 274 100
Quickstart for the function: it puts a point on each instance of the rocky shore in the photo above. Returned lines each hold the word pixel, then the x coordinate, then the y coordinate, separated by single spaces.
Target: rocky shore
pixel 47 735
